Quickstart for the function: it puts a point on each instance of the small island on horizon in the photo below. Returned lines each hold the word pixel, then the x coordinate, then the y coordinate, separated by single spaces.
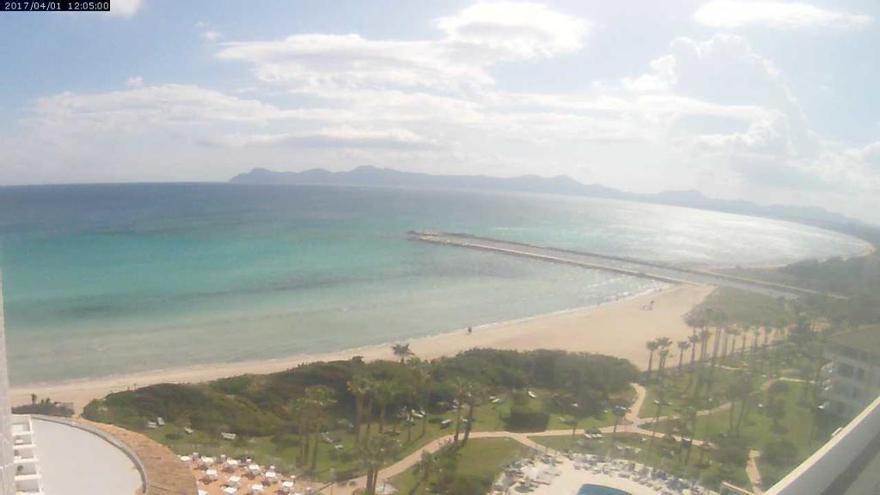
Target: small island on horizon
pixel 372 176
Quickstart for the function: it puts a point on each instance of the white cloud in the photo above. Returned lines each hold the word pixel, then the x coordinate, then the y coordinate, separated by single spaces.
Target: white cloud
pixel 319 61
pixel 516 29
pixel 134 82
pixel 732 14
pixel 139 106
pixel 476 38
pixel 125 8
pixel 340 137
pixel 661 77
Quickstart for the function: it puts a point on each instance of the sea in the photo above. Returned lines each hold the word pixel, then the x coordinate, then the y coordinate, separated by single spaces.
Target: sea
pixel 110 279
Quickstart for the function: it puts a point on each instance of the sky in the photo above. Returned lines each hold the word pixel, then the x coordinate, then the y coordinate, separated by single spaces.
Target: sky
pixel 768 101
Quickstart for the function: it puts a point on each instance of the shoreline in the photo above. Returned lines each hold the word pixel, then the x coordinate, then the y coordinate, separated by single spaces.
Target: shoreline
pixel 583 329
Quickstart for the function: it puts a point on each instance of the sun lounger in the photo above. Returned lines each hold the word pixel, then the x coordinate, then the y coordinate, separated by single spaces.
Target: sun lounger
pixel 230 464
pixel 228 436
pixel 211 474
pixel 255 489
pixel 160 421
pixel 254 469
pixel 230 490
pixel 234 481
pixel 271 477
pixel 287 487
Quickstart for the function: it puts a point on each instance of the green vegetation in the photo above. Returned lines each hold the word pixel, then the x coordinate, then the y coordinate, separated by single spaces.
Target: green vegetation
pixel 345 418
pixel 45 406
pixel 469 470
pixel 782 422
pixel 741 308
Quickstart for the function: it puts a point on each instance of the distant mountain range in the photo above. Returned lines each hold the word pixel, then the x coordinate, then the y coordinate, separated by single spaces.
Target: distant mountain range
pixel 560 184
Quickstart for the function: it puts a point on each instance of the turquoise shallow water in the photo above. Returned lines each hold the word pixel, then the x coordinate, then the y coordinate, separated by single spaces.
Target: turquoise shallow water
pixel 118 278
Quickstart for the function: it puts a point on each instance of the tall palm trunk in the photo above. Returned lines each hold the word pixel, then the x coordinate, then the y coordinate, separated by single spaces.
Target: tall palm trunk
pixel 383 409
pixel 369 417
pixel 469 425
pixel 358 417
pixel 315 451
pixel 457 423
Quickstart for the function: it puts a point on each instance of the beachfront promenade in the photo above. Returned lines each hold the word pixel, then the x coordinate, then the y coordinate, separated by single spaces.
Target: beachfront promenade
pixel 628 266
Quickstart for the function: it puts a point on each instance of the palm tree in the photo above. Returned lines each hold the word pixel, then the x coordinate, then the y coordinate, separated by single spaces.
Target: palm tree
pixel 661 364
pixel 384 393
pixel 318 399
pixel 423 395
pixel 472 399
pixel 660 402
pixel 704 335
pixel 619 413
pixel 693 340
pixel 402 351
pixel 745 388
pixel 359 387
pixel 462 390
pixel 683 346
pixel 663 344
pixel 652 346
pixel 299 410
pixel 427 465
pixel 767 331
pixel 690 416
pixel 370 387
pixel 729 344
pixel 719 337
pixel 373 455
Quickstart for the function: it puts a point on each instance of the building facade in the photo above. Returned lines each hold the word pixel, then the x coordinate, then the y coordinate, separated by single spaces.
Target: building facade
pixel 851 380
pixel 7 444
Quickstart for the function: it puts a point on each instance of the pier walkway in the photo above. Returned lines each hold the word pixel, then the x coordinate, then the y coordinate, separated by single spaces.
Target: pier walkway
pixel 628 266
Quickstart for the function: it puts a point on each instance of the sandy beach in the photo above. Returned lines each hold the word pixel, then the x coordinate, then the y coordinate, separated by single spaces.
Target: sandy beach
pixel 619 329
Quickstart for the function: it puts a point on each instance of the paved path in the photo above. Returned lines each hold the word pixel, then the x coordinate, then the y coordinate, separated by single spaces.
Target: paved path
pixel 753 473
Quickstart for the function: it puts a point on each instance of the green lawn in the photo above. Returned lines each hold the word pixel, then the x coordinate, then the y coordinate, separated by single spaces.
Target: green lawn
pixel 799 425
pixel 481 457
pixel 679 391
pixel 283 451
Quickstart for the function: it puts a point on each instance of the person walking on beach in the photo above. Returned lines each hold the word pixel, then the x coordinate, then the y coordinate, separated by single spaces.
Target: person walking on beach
pixel 470 330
